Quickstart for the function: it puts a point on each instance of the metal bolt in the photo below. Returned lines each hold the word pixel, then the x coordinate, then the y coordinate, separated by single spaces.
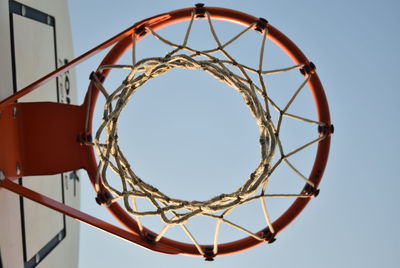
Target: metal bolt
pixel 60 236
pixel 2 176
pixel 23 11
pixel 37 258
pixel 18 169
pixel 15 112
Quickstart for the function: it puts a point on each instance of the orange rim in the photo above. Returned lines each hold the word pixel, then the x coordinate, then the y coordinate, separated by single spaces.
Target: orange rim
pixel 124 41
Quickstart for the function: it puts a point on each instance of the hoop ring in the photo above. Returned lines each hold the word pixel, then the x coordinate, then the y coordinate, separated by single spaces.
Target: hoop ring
pixel 181 15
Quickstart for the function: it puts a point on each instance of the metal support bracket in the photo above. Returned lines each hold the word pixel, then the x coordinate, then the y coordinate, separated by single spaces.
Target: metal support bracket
pixel 33 134
pixel 86 218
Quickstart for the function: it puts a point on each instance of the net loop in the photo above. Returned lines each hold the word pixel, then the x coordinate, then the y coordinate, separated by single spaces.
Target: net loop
pixel 174 211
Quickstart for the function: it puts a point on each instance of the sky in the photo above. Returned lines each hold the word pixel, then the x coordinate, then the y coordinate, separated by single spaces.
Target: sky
pixel 200 142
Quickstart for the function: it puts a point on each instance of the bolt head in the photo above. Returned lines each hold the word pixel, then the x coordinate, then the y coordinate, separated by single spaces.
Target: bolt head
pixel 60 237
pixel 18 169
pixel 37 258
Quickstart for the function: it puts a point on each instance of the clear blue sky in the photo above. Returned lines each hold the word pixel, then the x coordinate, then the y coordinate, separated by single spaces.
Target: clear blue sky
pixel 354 221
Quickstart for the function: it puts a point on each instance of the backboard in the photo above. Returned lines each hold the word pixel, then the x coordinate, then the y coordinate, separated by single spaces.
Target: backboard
pixel 36 39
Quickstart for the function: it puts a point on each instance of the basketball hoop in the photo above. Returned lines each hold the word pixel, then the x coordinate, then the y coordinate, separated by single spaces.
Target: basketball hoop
pixel 41 122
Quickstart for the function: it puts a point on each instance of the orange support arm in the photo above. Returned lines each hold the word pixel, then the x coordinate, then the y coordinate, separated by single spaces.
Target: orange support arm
pixel 42 138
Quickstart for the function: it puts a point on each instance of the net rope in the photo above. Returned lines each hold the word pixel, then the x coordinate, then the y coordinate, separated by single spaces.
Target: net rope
pixel 174 211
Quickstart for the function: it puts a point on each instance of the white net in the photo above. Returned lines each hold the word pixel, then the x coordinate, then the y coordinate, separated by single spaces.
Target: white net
pixel 175 211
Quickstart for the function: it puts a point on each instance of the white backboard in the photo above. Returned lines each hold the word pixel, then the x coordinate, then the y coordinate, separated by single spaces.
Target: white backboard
pixel 36 39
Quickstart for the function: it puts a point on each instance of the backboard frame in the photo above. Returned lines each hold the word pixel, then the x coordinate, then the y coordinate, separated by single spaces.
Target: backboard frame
pixel 38 16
